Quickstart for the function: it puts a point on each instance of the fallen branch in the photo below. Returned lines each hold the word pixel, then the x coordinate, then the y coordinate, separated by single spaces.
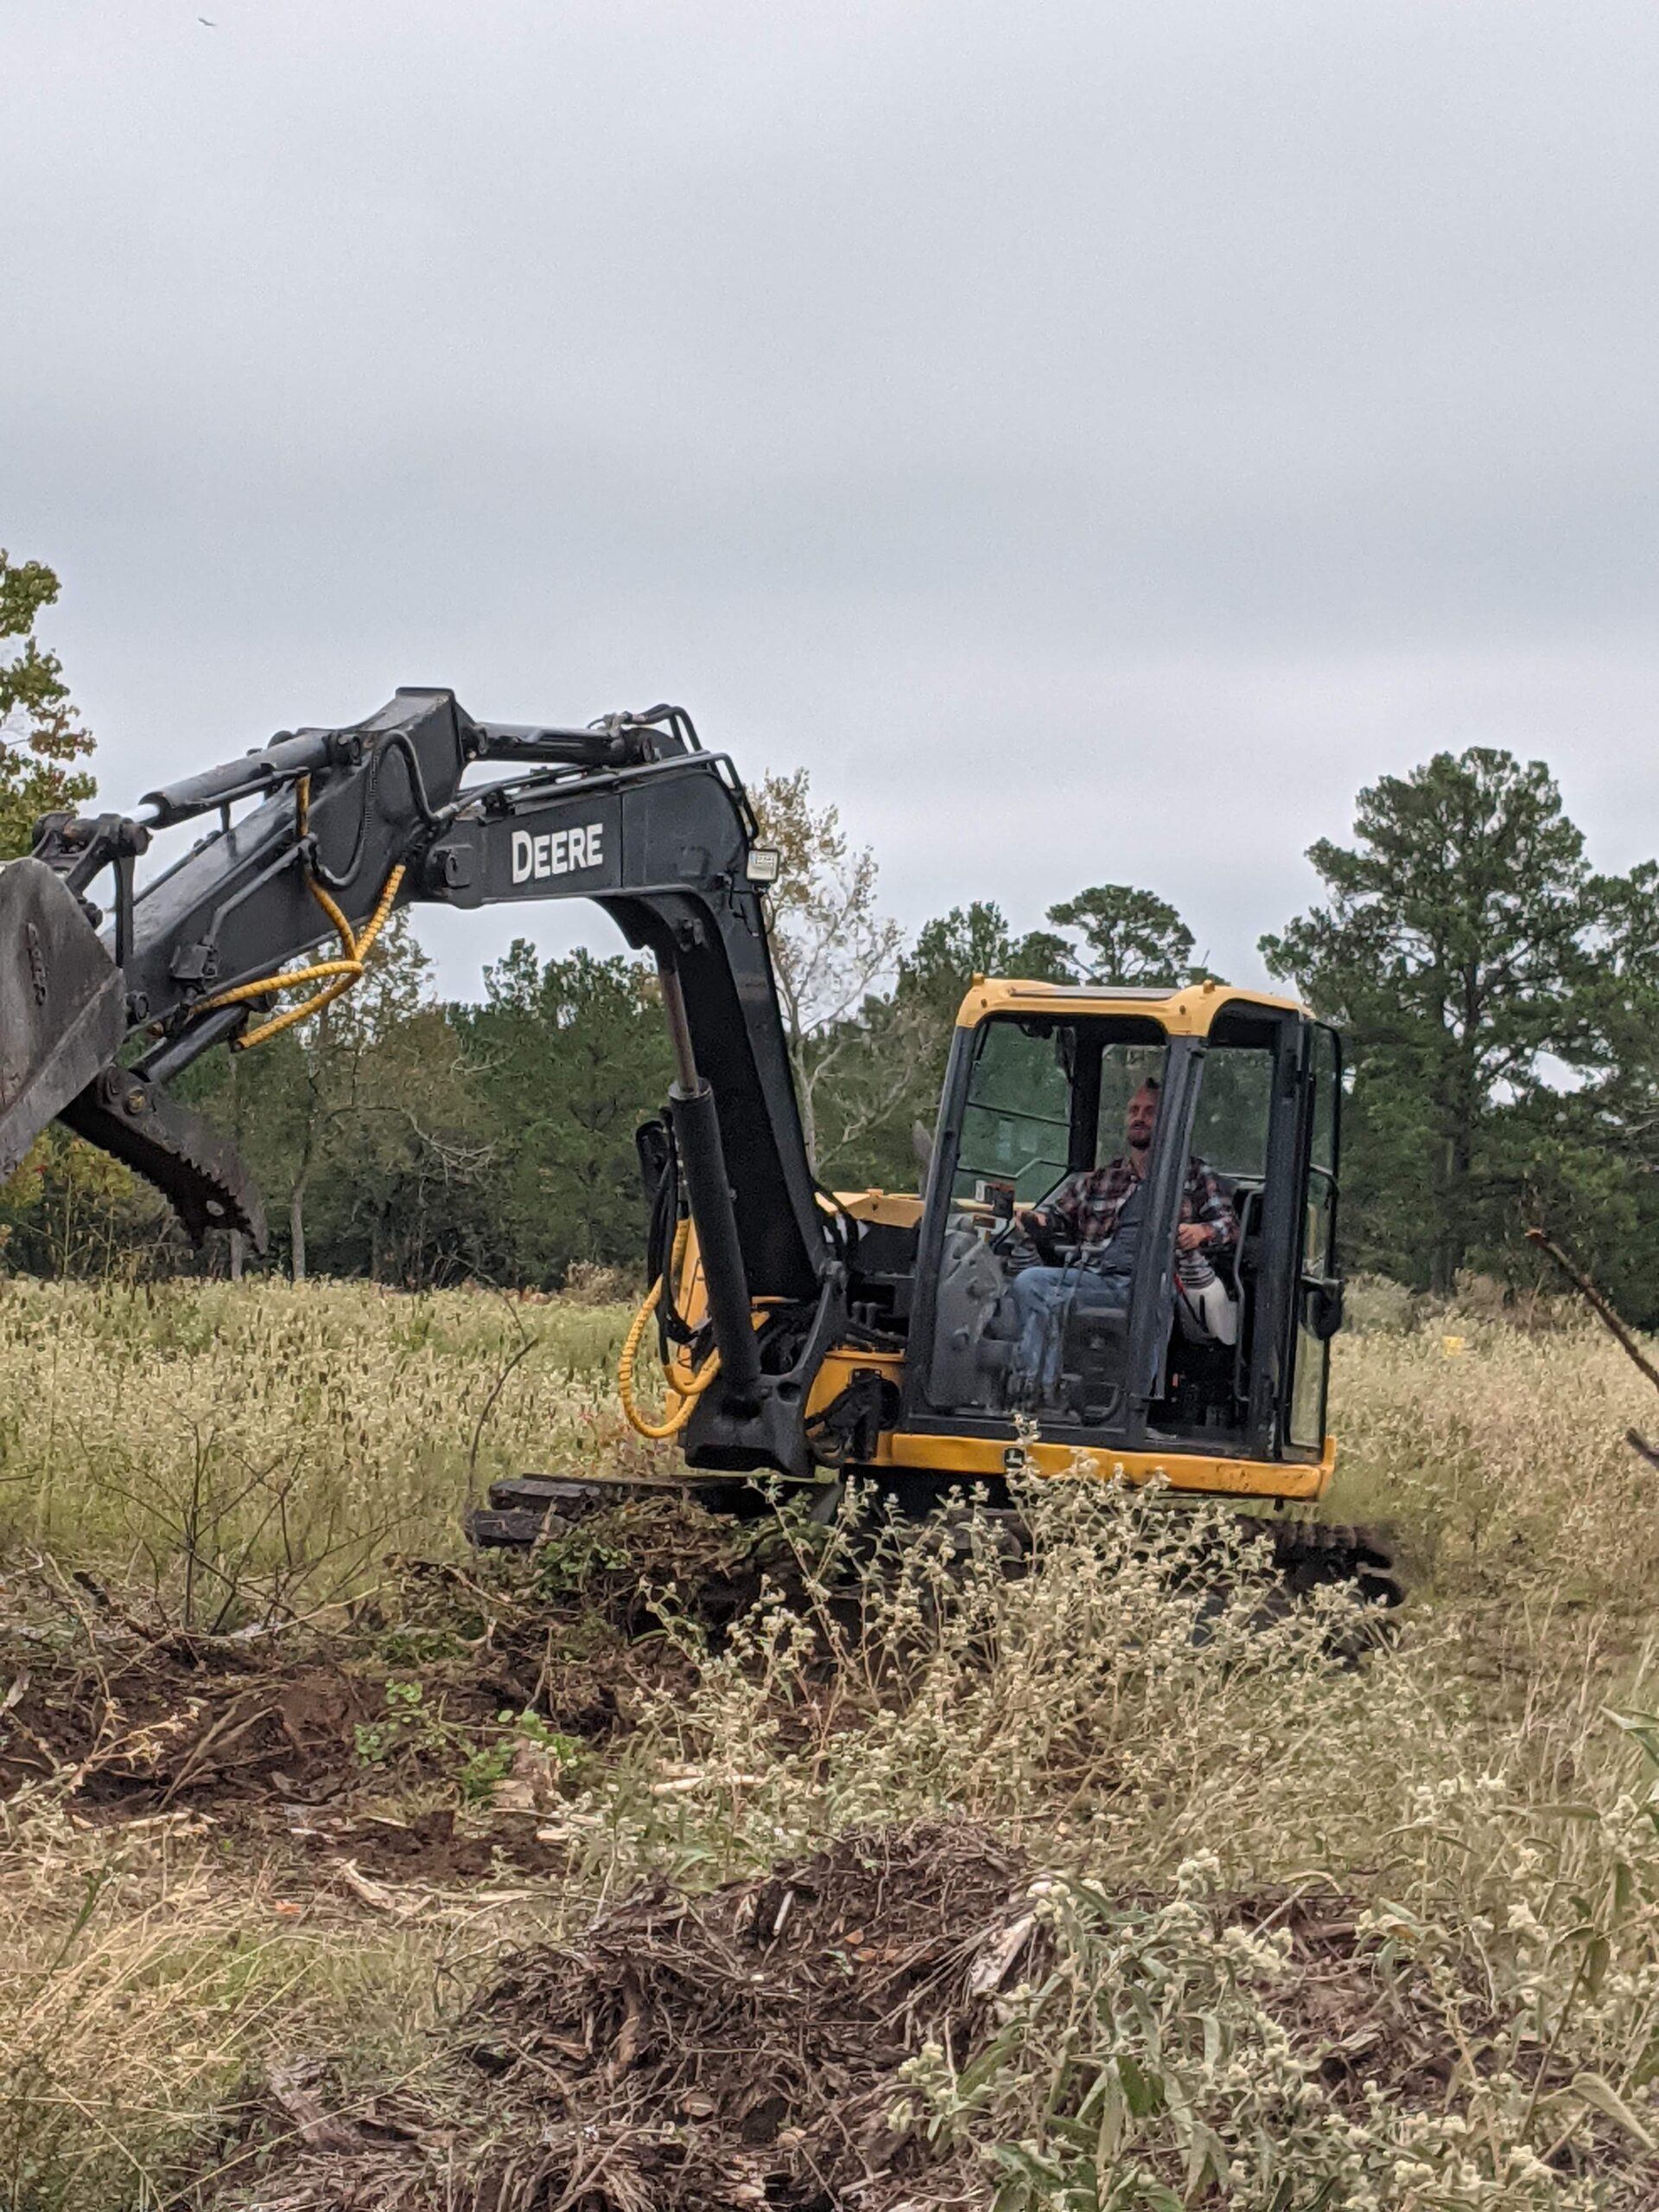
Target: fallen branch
pixel 1604 1313
pixel 1596 1302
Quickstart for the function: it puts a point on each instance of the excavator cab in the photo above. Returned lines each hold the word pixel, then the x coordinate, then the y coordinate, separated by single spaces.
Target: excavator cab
pixel 1033 1344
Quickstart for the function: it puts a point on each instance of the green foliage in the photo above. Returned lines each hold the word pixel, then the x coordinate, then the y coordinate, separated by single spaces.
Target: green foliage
pixel 1129 937
pixel 41 736
pixel 413 1730
pixel 408 1724
pixel 1499 997
pixel 490 1764
pixel 890 1061
pixel 976 940
pixel 567 1057
pixel 1458 948
pixel 362 1126
pixel 563 1564
pixel 71 1210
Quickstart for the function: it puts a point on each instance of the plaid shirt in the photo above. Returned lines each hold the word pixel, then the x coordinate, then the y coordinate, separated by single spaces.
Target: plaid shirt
pixel 1085 1209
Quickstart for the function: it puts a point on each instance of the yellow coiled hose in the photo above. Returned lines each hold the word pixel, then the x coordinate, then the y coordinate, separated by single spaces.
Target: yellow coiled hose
pixel 687 1395
pixel 336 976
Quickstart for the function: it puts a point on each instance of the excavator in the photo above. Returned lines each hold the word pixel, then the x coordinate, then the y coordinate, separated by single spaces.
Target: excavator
pixel 804 1336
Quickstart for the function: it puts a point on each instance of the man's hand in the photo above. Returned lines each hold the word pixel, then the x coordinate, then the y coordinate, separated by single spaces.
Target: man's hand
pixel 1040 1232
pixel 1190 1236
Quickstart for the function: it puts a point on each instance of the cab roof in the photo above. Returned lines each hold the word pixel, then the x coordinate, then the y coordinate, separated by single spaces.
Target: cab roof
pixel 1188 1012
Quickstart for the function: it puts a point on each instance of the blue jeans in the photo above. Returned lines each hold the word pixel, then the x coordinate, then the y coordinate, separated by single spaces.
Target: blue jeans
pixel 1040 1299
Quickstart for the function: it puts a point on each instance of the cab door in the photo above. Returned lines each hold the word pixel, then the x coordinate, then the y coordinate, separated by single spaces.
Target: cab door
pixel 1318 1304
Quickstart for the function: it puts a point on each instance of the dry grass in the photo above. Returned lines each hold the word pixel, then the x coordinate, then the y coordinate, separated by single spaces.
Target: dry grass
pixel 1498 1455
pixel 252 1449
pixel 147 1974
pixel 1465 1786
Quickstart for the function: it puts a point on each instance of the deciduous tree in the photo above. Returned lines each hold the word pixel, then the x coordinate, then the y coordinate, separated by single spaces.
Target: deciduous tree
pixel 40 734
pixel 831 946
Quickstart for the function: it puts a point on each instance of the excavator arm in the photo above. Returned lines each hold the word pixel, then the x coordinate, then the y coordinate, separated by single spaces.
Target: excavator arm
pixel 101 1008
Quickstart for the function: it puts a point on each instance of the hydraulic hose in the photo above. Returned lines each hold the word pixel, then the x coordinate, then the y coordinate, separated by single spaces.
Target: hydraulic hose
pixel 336 976
pixel 676 1419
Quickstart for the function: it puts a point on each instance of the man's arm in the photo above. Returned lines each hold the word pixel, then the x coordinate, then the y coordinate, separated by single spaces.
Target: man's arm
pixel 1057 1213
pixel 1208 1220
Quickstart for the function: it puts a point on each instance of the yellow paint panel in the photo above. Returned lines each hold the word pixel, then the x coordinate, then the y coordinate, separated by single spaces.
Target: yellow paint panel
pixel 1187 1013
pixel 973 1456
pixel 895 1209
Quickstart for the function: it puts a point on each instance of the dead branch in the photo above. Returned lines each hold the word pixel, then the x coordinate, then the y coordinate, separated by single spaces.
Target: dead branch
pixel 1597 1304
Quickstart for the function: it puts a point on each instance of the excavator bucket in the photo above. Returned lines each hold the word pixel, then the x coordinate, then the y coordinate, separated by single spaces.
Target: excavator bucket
pixel 63 1014
pixel 62 1004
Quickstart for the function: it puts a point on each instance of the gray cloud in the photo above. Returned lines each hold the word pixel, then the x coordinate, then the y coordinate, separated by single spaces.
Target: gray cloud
pixel 1094 438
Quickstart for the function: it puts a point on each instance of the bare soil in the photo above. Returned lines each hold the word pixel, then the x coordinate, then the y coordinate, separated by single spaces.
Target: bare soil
pixel 311 1730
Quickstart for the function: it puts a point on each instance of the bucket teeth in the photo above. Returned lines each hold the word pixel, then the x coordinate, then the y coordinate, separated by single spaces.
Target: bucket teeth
pixel 199 1171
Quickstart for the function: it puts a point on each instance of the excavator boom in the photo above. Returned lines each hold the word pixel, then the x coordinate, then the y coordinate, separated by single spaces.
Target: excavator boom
pixel 340 827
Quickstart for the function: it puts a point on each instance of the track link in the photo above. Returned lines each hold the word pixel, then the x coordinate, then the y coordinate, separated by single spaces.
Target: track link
pixel 1312 1554
pixel 524 1511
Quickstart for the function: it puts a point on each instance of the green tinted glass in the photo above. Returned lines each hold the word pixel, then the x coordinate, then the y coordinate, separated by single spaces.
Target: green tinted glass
pixel 1018 1118
pixel 1235 1104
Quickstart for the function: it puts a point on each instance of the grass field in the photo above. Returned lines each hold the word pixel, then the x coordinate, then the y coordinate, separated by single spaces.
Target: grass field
pixel 1238 1918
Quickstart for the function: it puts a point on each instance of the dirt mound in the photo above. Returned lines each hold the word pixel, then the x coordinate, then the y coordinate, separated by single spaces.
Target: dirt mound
pixel 691 2056
pixel 156 1728
pixel 106 1698
pixel 751 2047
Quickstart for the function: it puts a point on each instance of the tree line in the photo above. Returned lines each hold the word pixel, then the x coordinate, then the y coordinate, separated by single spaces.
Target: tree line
pixel 1499 997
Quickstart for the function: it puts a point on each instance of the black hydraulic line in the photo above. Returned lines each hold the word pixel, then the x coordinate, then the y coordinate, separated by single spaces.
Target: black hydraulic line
pixel 395 741
pixel 709 1189
pixel 288 857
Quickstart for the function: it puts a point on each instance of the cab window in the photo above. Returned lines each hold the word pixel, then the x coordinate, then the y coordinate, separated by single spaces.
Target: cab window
pixel 1046 1100
pixel 1016 1126
pixel 1235 1106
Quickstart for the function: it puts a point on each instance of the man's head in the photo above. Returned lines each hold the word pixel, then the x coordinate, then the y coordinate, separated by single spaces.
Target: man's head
pixel 1141 1119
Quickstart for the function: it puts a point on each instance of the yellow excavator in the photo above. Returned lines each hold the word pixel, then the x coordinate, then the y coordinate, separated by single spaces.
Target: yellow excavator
pixel 995 1323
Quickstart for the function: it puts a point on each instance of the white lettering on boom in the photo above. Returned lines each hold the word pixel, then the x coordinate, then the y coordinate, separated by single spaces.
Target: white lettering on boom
pixel 562 852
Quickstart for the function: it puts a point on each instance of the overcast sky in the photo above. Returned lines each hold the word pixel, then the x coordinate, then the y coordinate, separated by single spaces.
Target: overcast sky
pixel 1094 438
